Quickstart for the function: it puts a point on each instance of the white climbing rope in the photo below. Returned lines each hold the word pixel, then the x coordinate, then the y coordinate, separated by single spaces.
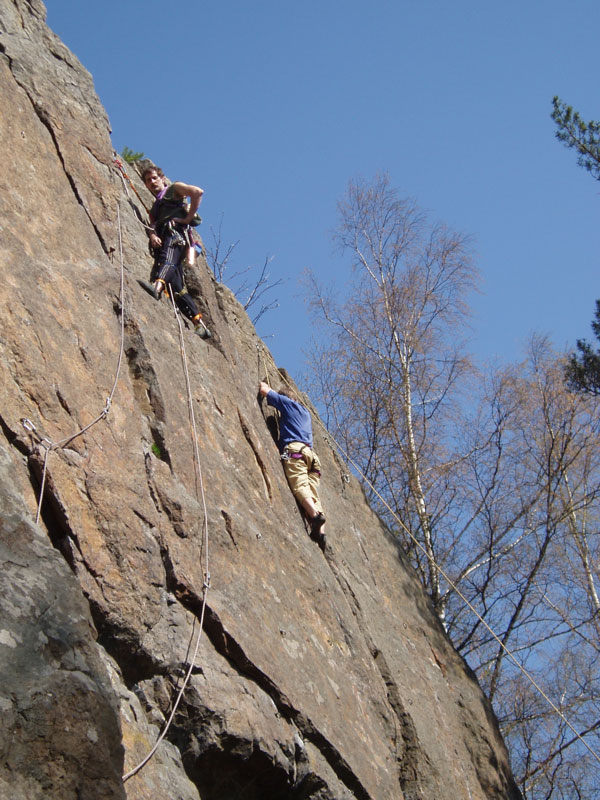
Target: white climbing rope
pixel 49 446
pixel 188 674
pixel 206 585
pixel 127 180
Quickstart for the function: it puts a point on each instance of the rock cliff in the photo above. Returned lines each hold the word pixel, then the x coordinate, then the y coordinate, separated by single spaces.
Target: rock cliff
pixel 318 675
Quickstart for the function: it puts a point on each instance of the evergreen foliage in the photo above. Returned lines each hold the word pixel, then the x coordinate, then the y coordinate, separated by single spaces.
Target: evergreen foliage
pixel 583 136
pixel 130 156
pixel 583 367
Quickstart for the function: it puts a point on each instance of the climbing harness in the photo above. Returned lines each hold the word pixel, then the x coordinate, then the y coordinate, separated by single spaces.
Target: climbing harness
pixel 288 454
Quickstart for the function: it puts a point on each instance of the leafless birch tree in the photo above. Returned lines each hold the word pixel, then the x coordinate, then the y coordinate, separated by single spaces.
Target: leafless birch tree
pixel 393 365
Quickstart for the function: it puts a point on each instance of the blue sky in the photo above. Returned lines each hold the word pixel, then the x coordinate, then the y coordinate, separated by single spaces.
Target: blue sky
pixel 272 107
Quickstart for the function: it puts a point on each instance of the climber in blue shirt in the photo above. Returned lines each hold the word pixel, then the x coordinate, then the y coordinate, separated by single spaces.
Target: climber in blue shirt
pixel 300 463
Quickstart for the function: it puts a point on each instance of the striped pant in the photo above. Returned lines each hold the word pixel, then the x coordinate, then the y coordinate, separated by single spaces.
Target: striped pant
pixel 168 267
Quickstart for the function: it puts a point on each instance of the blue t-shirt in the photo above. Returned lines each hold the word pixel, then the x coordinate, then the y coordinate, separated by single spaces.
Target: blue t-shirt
pixel 295 424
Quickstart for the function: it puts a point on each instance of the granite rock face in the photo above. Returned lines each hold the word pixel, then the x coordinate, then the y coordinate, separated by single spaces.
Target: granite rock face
pixel 59 722
pixel 318 675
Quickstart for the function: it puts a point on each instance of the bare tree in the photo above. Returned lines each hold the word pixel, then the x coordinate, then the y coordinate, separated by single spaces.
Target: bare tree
pixel 492 479
pixel 544 600
pixel 252 288
pixel 395 362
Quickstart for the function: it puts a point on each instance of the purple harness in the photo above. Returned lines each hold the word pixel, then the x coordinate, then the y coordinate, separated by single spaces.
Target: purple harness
pixel 289 454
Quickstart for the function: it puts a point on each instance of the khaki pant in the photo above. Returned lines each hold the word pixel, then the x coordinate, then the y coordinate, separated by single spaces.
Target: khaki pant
pixel 303 474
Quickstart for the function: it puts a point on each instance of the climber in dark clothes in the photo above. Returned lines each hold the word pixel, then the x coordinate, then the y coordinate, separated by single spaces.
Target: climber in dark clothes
pixel 170 219
pixel 300 463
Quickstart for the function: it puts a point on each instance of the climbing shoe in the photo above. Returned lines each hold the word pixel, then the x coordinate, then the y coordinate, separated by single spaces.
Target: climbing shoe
pixel 200 328
pixel 316 524
pixel 202 331
pixel 149 287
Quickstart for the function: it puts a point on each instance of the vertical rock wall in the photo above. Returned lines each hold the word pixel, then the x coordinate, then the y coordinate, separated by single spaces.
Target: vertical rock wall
pixel 318 675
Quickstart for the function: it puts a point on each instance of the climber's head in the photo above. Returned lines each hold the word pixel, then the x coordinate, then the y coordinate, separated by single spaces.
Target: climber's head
pixel 285 390
pixel 154 179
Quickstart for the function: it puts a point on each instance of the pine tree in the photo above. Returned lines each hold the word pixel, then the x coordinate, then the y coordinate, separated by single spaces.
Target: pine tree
pixel 583 367
pixel 584 137
pixel 131 156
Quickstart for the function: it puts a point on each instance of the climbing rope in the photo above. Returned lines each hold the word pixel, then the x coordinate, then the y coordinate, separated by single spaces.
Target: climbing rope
pixel 451 583
pixel 127 180
pixel 206 584
pixel 199 490
pixel 261 357
pixel 188 674
pixel 48 444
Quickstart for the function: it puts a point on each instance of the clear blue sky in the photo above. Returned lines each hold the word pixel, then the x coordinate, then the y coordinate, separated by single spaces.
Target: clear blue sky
pixel 272 106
